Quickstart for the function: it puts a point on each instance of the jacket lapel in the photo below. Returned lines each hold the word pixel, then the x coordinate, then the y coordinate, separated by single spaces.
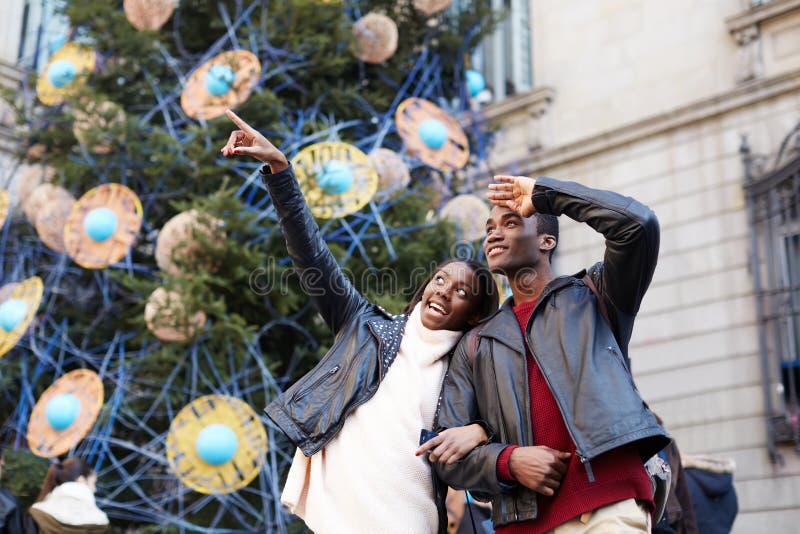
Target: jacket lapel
pixel 389 334
pixel 504 327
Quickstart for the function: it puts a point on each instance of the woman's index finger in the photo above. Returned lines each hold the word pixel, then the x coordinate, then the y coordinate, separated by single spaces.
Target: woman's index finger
pixel 428 445
pixel 240 122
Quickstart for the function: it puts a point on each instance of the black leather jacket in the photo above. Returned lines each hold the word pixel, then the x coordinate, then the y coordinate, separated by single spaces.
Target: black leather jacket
pixel 582 357
pixel 312 411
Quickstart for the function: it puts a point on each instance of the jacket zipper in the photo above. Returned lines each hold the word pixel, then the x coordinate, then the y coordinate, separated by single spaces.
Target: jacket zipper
pixel 584 460
pixel 503 438
pixel 329 373
pixel 335 430
pixel 380 366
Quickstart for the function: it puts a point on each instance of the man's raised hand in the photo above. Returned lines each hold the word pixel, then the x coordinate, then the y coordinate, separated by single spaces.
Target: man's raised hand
pixel 247 141
pixel 513 192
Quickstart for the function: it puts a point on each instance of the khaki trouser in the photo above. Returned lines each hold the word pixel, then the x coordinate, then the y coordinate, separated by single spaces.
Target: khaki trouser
pixel 624 517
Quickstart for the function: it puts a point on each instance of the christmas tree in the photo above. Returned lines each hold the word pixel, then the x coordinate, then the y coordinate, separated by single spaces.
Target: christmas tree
pixel 197 304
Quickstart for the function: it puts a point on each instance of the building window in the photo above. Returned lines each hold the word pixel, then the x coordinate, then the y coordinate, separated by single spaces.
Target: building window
pixel 504 58
pixel 789 315
pixel 773 206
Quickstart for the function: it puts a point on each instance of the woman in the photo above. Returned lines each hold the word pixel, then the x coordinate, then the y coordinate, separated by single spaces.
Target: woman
pixel 66 503
pixel 356 469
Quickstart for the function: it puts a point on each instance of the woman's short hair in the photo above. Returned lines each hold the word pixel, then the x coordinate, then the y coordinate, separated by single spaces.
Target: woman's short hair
pixel 485 288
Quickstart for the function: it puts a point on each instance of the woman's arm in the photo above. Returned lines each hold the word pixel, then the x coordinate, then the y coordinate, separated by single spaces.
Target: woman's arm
pixel 452 444
pixel 320 275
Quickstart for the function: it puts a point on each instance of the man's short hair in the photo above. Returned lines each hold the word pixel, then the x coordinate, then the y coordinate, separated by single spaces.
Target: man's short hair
pixel 547 224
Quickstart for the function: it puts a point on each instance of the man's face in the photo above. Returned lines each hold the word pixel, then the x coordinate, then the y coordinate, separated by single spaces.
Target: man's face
pixel 512 242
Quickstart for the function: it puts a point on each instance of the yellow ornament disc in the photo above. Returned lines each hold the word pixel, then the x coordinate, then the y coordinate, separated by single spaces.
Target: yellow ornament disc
pixel 336 178
pixel 19 302
pixel 222 82
pixel 188 443
pixel 102 226
pixel 3 206
pixel 412 114
pixel 64 74
pixel 85 390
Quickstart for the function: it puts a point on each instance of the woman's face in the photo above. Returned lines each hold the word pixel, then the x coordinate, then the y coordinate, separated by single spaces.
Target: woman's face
pixel 449 301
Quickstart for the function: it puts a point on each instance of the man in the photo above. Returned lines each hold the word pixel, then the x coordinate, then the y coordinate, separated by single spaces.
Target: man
pixel 549 374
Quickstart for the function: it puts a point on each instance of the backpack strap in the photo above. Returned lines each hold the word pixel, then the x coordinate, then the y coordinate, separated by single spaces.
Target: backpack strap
pixel 601 305
pixel 600 302
pixel 472 346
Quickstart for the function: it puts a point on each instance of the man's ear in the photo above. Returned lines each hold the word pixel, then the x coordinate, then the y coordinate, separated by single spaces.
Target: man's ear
pixel 547 242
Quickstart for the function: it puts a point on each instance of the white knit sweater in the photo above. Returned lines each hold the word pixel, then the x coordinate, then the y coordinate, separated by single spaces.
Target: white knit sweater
pixel 367 479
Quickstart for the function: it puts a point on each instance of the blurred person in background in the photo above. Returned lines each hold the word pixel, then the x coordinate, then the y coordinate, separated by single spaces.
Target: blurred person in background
pixel 10 512
pixel 66 504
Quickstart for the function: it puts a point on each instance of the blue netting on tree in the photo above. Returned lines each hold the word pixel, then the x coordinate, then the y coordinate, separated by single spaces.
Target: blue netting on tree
pixel 135 482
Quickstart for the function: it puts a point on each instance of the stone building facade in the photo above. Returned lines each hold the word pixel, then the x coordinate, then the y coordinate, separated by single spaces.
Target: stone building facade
pixel 658 100
pixel 9 77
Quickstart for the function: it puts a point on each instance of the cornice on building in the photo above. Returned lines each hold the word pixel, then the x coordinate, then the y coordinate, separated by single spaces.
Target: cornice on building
pixel 9 74
pixel 534 102
pixel 525 110
pixel 761 13
pixel 746 30
pixel 742 96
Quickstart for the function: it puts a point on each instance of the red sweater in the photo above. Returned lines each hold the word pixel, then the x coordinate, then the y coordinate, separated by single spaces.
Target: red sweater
pixel 619 474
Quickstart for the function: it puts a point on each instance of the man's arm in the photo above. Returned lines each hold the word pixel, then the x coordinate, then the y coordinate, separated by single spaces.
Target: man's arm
pixel 630 228
pixel 477 470
pixel 481 471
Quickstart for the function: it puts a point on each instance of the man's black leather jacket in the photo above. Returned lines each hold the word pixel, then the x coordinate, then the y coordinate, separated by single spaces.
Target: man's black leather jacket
pixel 583 358
pixel 312 411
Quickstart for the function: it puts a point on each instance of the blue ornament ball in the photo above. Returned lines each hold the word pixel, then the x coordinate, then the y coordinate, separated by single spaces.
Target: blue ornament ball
pixel 61 72
pixel 62 410
pixel 433 133
pixel 475 82
pixel 100 224
pixel 336 177
pixel 12 312
pixel 219 79
pixel 216 444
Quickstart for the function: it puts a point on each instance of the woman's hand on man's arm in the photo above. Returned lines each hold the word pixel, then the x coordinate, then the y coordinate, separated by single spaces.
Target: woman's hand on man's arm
pixel 247 141
pixel 452 444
